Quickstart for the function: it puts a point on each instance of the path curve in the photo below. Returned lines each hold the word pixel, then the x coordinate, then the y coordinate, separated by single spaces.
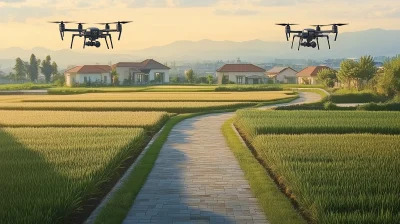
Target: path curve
pixel 197 179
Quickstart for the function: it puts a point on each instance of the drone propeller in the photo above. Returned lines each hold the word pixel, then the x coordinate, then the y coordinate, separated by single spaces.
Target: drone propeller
pixel 319 25
pixel 61 22
pixel 62 26
pixel 286 24
pixel 121 22
pixel 80 23
pixel 287 28
pixel 335 28
pixel 339 24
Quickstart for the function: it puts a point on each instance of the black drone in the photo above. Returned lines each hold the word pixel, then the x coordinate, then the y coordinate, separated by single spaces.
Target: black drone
pixel 92 33
pixel 307 36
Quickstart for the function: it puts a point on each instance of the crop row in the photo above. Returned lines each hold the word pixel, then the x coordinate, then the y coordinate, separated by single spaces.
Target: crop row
pixel 46 174
pixel 158 97
pixel 254 122
pixel 352 178
pixel 26 118
pixel 171 107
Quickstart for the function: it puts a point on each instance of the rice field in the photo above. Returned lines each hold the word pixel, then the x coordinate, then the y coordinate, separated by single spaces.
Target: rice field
pixel 350 178
pixel 58 153
pixel 339 166
pixel 25 118
pixel 159 97
pixel 171 107
pixel 47 173
pixel 255 122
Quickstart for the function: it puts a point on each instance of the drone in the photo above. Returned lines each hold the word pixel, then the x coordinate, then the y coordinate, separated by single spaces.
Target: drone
pixel 309 35
pixel 91 33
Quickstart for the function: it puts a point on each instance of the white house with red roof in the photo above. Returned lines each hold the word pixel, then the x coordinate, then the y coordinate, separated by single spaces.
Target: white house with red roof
pixel 241 73
pixel 309 74
pixel 145 72
pixel 282 75
pixel 88 74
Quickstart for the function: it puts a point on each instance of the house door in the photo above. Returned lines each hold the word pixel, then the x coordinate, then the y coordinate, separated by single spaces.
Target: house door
pixel 255 81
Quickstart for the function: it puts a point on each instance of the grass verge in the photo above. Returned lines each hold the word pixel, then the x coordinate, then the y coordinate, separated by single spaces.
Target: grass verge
pixel 275 205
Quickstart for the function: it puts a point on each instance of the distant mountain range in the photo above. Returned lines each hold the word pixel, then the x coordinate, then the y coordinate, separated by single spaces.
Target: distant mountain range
pixel 375 42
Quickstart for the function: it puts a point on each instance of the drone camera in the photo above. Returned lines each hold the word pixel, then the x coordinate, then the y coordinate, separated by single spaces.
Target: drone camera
pixel 313 44
pixel 97 44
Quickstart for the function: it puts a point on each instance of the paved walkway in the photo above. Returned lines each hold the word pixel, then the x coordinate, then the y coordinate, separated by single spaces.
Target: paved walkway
pixel 196 178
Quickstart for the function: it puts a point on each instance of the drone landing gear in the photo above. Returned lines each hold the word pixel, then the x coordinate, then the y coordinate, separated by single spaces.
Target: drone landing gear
pixel 327 38
pixel 105 38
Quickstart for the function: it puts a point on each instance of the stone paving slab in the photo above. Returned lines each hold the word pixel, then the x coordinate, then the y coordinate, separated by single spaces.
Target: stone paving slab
pixel 197 179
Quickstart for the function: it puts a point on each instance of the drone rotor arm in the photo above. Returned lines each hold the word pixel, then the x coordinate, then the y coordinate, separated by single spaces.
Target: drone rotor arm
pixel 72 30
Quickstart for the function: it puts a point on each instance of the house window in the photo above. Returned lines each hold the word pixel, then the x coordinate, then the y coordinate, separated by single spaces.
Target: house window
pixel 159 77
pixel 105 79
pixel 140 78
pixel 239 79
pixel 85 79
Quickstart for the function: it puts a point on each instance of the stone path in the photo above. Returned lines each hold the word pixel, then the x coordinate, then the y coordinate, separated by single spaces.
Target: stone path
pixel 196 178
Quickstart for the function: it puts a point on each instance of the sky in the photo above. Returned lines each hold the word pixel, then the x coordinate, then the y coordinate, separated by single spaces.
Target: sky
pixel 23 23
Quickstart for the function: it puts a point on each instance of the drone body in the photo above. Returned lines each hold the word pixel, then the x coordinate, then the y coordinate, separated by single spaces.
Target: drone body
pixel 92 34
pixel 309 37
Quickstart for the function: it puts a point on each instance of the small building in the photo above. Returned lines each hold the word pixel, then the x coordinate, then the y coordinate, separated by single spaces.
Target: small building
pixel 282 75
pixel 146 72
pixel 241 74
pixel 88 74
pixel 309 74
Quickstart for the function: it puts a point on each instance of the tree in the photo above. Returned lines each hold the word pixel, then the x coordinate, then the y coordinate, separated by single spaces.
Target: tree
pixel 348 72
pixel 389 81
pixel 33 68
pixel 190 76
pixel 367 67
pixel 327 77
pixel 114 76
pixel 20 70
pixel 354 73
pixel 46 68
pixel 210 79
pixel 55 68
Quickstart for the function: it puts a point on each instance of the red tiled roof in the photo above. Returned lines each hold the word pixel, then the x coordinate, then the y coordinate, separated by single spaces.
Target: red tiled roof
pixel 240 68
pixel 146 64
pixel 89 69
pixel 311 71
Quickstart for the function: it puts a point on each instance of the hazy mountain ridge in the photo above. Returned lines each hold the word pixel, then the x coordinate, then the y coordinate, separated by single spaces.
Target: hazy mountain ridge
pixel 375 42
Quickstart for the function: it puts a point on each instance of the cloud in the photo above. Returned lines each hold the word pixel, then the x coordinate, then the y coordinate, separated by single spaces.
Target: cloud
pixel 240 12
pixel 21 14
pixel 12 1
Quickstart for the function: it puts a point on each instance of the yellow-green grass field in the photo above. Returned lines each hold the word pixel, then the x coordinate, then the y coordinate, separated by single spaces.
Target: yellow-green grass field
pixel 255 122
pixel 350 178
pixel 26 118
pixel 156 97
pixel 171 107
pixel 46 174
pixel 339 166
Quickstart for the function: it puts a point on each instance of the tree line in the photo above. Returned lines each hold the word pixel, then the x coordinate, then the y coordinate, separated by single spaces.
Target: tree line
pixel 192 78
pixel 29 70
pixel 364 74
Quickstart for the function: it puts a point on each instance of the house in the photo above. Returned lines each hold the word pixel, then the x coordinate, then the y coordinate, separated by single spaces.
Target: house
pixel 88 74
pixel 241 74
pixel 309 74
pixel 145 72
pixel 282 75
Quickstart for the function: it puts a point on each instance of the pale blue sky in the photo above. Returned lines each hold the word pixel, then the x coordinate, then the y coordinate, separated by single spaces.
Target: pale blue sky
pixel 159 22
